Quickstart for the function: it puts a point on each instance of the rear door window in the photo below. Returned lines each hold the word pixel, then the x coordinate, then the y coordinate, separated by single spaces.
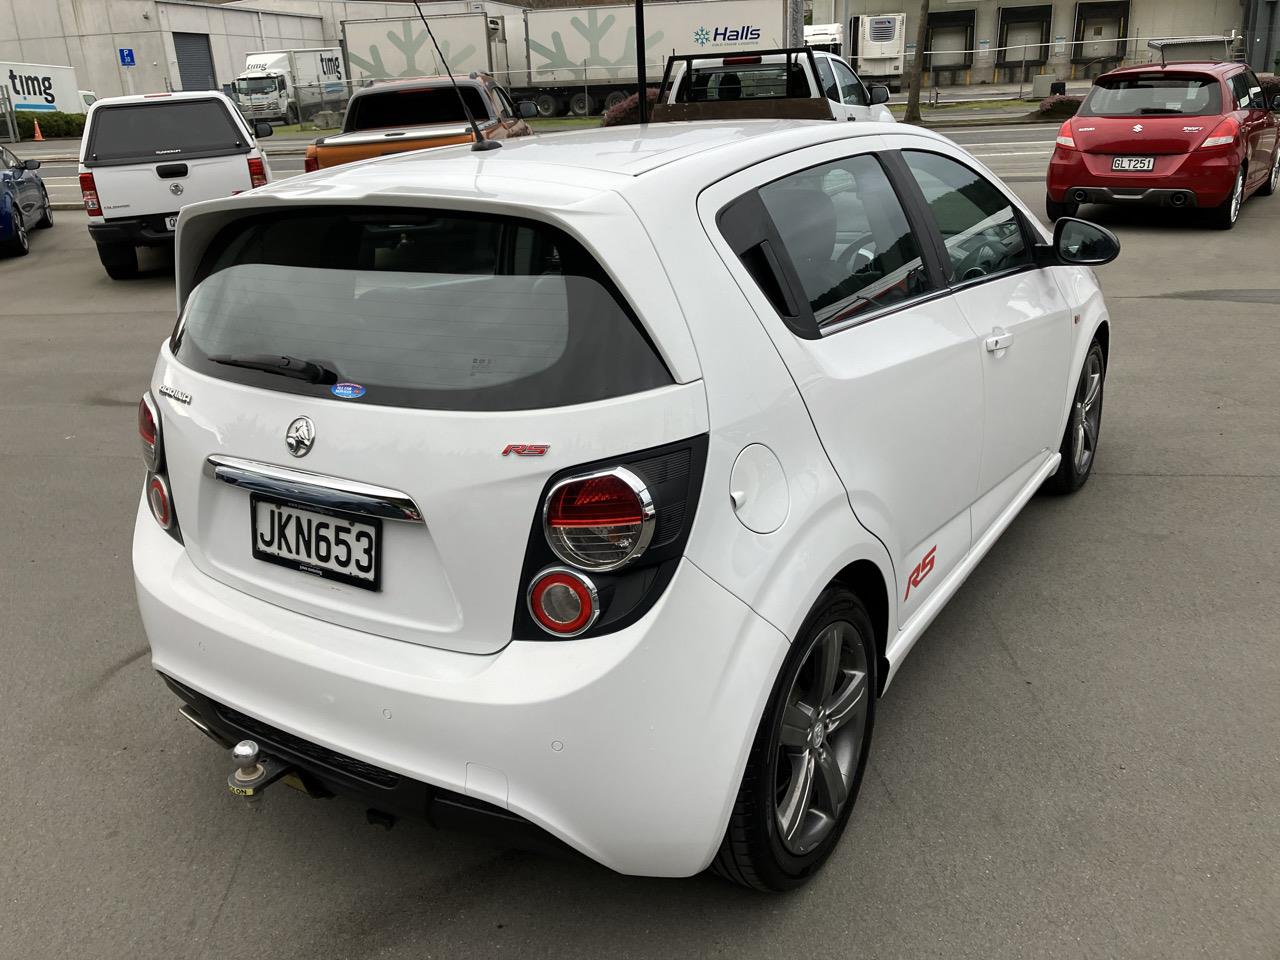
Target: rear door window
pixel 433 310
pixel 163 130
pixel 414 108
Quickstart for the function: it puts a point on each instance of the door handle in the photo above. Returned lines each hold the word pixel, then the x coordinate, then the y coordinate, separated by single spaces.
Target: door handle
pixel 999 340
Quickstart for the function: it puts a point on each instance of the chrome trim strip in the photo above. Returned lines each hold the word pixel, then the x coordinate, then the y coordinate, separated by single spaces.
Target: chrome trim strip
pixel 334 493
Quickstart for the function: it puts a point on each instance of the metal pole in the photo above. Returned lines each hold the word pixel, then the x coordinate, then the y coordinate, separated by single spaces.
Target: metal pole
pixel 640 53
pixel 1022 74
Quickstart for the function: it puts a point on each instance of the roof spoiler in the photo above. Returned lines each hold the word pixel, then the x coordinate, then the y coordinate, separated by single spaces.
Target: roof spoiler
pixel 1161 46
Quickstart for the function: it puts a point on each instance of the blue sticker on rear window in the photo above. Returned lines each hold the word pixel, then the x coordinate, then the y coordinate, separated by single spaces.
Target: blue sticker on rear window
pixel 347 391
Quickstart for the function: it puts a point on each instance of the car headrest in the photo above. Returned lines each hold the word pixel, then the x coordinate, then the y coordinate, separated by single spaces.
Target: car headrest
pixel 806 219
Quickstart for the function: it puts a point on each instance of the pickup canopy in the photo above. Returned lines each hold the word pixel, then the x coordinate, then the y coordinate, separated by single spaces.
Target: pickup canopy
pixel 753 84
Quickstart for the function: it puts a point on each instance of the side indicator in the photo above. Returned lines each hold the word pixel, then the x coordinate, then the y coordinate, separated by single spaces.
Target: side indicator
pixel 922 570
pixel 526 449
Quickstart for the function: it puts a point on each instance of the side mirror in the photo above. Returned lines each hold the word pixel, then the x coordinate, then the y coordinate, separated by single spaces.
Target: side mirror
pixel 879 93
pixel 528 109
pixel 31 164
pixel 263 129
pixel 1084 244
pixel 1275 104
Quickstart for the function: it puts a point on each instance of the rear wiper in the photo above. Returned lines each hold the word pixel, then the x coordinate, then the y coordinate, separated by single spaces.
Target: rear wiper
pixel 308 370
pixel 1146 110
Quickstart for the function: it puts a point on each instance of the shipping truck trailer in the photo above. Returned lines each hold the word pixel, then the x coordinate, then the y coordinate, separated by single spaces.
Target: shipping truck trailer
pixel 291 85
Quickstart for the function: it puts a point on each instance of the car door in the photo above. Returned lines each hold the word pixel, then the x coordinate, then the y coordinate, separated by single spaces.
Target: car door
pixel 856 304
pixel 853 94
pixel 1021 320
pixel 1259 127
pixel 831 88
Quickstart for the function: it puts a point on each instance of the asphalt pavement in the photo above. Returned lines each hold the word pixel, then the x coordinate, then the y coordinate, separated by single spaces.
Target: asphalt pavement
pixel 1080 759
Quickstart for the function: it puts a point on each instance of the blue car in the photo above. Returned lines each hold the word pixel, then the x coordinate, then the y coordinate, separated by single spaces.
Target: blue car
pixel 24 203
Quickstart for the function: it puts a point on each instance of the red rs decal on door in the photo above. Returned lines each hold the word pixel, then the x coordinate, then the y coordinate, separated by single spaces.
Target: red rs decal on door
pixel 526 449
pixel 922 570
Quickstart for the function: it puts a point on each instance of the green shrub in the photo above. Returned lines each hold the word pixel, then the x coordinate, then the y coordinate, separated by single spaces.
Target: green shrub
pixel 1270 87
pixel 628 111
pixel 53 124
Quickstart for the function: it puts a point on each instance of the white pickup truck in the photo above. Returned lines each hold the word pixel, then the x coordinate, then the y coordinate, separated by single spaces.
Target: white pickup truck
pixel 796 83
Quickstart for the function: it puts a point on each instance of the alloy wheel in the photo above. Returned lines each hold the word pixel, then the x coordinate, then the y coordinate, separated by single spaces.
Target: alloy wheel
pixel 1237 196
pixel 24 243
pixel 1275 170
pixel 820 742
pixel 1087 414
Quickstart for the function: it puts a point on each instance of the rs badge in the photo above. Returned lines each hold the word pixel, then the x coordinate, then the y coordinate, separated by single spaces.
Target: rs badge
pixel 922 570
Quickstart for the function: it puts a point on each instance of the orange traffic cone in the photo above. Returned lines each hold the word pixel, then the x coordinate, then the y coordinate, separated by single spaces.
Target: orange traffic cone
pixel 39 135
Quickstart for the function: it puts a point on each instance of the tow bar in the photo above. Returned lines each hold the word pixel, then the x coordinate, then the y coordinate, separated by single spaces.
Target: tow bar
pixel 253 773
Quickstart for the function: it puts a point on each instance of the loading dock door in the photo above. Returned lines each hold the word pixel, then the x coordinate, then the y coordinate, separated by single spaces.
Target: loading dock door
pixel 950 40
pixel 195 61
pixel 1100 29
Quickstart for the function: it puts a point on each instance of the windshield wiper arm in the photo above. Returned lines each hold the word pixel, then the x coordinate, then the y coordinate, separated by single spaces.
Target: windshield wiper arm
pixel 309 370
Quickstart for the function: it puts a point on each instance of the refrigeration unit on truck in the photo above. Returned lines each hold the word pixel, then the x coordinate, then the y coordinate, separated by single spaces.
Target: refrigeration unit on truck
pixel 291 85
pixel 881 40
pixel 576 60
pixel 42 87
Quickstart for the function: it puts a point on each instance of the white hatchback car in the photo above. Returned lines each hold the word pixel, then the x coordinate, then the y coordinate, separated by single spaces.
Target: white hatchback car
pixel 601 483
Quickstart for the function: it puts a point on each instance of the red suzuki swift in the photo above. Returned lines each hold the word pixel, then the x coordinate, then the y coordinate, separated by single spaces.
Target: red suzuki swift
pixel 1182 135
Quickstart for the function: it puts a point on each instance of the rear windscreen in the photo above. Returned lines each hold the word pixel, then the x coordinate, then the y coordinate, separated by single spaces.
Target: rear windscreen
pixel 1145 95
pixel 175 129
pixel 761 81
pixel 413 108
pixel 433 310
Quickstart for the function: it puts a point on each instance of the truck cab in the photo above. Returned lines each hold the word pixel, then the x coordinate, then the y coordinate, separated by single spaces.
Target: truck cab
pixel 264 95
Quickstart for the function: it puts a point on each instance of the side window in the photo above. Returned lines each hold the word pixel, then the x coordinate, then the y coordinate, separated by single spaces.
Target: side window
pixel 1240 91
pixel 1256 100
pixel 7 159
pixel 978 223
pixel 828 79
pixel 848 239
pixel 851 90
pixel 505 103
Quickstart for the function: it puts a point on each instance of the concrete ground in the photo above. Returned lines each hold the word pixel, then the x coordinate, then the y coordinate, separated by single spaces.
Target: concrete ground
pixel 1080 759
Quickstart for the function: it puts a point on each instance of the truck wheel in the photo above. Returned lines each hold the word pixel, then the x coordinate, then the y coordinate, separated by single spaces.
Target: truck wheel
pixel 581 105
pixel 613 99
pixel 119 259
pixel 548 104
pixel 291 114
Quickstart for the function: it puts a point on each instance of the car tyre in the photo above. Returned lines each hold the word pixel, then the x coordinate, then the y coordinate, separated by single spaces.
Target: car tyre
pixel 1273 179
pixel 811 746
pixel 1056 211
pixel 19 245
pixel 46 214
pixel 1225 214
pixel 1080 440
pixel 119 259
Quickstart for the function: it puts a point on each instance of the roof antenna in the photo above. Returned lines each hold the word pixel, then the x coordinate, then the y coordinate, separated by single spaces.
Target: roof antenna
pixel 481 143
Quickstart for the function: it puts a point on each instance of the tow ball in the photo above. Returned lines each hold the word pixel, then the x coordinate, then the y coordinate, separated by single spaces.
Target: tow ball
pixel 253 772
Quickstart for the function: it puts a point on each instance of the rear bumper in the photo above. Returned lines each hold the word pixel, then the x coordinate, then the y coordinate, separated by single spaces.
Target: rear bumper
pixel 627 747
pixel 140 231
pixel 1201 180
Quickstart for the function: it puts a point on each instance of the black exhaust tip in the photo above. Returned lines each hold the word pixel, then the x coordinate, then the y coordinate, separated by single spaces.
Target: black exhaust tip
pixel 1178 200
pixel 1080 196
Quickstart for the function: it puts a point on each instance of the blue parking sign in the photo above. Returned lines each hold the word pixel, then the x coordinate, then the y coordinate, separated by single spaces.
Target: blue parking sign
pixel 126 57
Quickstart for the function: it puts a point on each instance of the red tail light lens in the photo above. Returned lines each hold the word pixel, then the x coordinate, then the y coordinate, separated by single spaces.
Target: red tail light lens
pixel 311 162
pixel 563 602
pixel 1224 134
pixel 89 193
pixel 257 172
pixel 159 502
pixel 1066 136
pixel 149 431
pixel 599 521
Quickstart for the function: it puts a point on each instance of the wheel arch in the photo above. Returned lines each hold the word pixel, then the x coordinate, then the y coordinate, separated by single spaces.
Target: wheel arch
pixel 1103 336
pixel 867 583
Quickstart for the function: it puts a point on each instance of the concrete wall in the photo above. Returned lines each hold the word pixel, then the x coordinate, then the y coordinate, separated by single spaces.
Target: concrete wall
pixel 86 34
pixel 1147 19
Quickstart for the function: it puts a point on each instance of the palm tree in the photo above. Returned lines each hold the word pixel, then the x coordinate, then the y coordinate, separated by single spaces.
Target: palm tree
pixel 917 65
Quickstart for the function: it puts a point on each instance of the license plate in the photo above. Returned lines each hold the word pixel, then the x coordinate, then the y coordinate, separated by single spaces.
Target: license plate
pixel 1133 163
pixel 329 545
pixel 171 223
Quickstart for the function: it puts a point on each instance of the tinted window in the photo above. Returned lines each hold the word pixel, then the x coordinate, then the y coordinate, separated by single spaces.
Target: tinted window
pixel 442 311
pixel 412 108
pixel 163 130
pixel 760 81
pixel 828 79
pixel 851 90
pixel 848 239
pixel 979 225
pixel 1136 95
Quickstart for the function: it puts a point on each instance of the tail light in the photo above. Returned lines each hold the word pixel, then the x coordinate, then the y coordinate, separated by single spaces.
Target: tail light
pixel 1223 134
pixel 89 193
pixel 564 602
pixel 158 500
pixel 1065 136
pixel 600 521
pixel 257 172
pixel 606 540
pixel 149 430
pixel 311 162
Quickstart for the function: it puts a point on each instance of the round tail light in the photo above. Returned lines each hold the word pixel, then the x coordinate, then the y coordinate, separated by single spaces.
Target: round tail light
pixel 563 602
pixel 599 521
pixel 159 501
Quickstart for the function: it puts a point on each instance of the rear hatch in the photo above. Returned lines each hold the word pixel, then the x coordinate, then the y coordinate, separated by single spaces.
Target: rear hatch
pixel 1145 114
pixel 446 364
pixel 156 157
